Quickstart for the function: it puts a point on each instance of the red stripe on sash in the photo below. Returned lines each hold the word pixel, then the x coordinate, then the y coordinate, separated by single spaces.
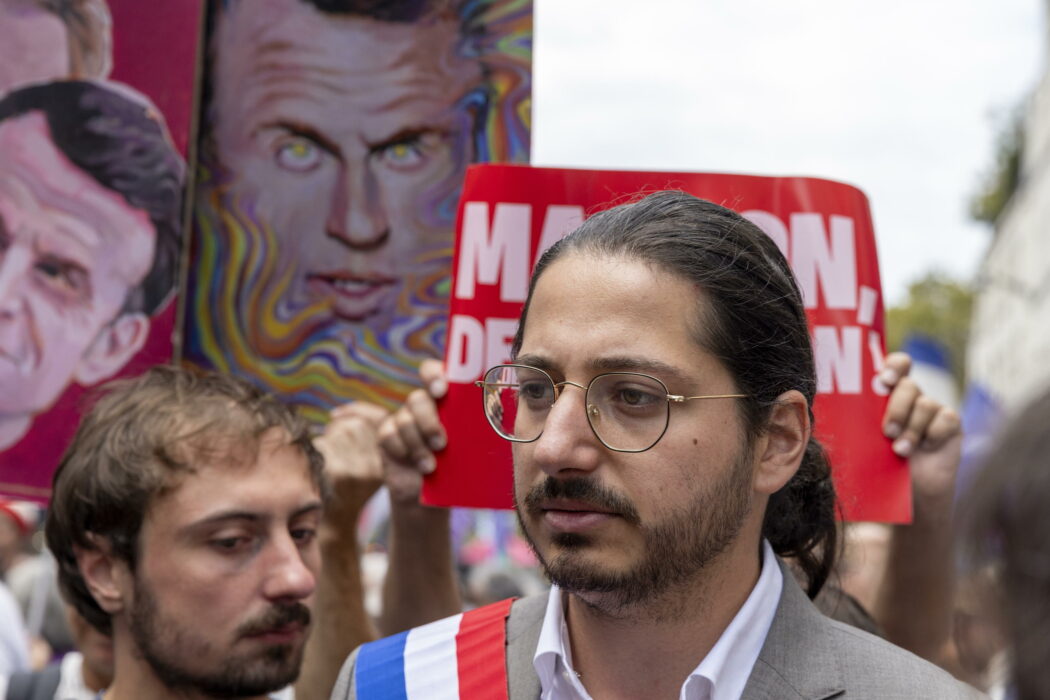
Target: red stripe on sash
pixel 481 652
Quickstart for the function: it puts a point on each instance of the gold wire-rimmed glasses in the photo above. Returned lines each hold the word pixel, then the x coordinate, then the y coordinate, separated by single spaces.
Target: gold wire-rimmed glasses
pixel 627 411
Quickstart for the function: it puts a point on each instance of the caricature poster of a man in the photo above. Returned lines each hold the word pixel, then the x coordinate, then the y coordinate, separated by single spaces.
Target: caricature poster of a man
pixel 335 136
pixel 92 178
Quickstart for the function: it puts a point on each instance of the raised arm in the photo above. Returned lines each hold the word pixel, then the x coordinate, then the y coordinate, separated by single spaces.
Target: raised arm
pixel 420 584
pixel 354 466
pixel 914 605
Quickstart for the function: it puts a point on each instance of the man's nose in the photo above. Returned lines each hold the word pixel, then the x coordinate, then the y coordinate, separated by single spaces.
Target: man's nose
pixel 288 575
pixel 567 444
pixel 15 265
pixel 357 215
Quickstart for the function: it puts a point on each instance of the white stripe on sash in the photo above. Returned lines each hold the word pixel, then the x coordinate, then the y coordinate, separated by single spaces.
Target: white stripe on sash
pixel 431 667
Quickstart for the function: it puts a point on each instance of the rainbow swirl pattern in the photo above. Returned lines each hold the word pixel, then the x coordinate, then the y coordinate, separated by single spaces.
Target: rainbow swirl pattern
pixel 240 317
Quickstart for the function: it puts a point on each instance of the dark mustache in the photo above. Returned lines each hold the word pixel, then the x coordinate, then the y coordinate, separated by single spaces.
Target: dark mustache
pixel 277 617
pixel 586 491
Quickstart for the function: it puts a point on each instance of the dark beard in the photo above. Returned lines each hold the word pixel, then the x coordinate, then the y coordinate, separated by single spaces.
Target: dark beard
pixel 676 548
pixel 237 676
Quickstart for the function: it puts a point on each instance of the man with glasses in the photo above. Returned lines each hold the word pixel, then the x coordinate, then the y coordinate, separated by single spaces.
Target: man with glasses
pixel 628 411
pixel 659 405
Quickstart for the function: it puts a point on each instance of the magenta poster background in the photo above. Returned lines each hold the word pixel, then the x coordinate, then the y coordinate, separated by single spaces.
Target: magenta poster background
pixel 154 52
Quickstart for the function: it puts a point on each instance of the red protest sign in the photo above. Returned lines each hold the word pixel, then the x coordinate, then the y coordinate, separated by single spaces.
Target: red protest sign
pixel 509 214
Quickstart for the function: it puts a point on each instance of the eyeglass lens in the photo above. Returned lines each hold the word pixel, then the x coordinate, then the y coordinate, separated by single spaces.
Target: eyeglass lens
pixel 627 411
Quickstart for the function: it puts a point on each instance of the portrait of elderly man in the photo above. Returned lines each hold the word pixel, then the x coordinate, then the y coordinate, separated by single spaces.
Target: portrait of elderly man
pixel 42 40
pixel 336 134
pixel 90 200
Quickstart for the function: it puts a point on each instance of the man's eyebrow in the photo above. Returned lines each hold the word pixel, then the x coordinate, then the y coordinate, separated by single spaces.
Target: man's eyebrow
pixel 535 361
pixel 410 133
pixel 70 245
pixel 306 131
pixel 224 516
pixel 251 516
pixel 626 363
pixel 308 509
pixel 79 236
pixel 615 363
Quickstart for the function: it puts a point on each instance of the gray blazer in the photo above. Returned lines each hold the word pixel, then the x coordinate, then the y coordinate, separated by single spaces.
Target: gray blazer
pixel 805 655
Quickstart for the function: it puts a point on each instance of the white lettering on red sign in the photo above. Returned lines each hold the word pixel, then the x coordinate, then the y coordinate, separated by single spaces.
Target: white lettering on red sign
pixel 821 251
pixel 497 255
pixel 473 347
pixel 500 255
pixel 837 352
pixel 559 221
pixel 820 261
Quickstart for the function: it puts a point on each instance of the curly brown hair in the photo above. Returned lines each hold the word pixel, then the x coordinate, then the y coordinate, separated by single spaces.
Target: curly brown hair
pixel 134 443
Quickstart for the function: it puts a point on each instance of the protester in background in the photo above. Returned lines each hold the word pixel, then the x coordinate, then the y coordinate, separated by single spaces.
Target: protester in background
pixel 192 541
pixel 352 463
pixel 909 588
pixel 979 645
pixel 1008 528
pixel 44 40
pixel 80 675
pixel 665 519
pixel 89 669
pixel 15 528
pixel 352 467
pixel 14 642
pixel 30 575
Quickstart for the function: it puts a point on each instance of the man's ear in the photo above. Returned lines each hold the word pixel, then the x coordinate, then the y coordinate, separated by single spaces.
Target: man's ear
pixel 783 444
pixel 111 349
pixel 103 574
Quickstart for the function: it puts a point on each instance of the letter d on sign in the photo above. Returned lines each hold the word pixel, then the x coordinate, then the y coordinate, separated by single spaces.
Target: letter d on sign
pixel 466 349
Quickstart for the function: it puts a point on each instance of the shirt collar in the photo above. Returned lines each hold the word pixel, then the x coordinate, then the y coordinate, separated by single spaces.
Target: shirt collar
pixel 71 678
pixel 553 658
pixel 721 675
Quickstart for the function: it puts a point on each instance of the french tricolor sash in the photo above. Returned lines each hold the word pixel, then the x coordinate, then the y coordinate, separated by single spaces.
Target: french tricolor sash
pixel 463 656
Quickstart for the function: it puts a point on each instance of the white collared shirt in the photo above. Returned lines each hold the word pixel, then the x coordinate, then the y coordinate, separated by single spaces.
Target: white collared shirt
pixel 721 675
pixel 71 684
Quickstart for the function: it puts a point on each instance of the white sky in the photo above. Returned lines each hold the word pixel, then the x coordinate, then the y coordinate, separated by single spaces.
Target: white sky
pixel 902 99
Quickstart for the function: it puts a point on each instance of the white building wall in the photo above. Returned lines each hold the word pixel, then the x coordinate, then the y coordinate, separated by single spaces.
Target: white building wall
pixel 1010 336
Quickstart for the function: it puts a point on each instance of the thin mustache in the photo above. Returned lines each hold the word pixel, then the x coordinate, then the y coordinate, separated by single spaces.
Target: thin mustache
pixel 277 617
pixel 583 490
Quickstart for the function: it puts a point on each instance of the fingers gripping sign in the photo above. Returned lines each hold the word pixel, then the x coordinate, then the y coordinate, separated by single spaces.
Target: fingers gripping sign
pixel 925 431
pixel 409 437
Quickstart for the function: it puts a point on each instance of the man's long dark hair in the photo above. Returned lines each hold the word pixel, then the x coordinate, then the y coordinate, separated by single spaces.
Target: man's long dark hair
pixel 753 321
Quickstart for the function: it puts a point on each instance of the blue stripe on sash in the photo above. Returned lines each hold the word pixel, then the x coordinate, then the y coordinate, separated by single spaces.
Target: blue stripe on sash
pixel 380 669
